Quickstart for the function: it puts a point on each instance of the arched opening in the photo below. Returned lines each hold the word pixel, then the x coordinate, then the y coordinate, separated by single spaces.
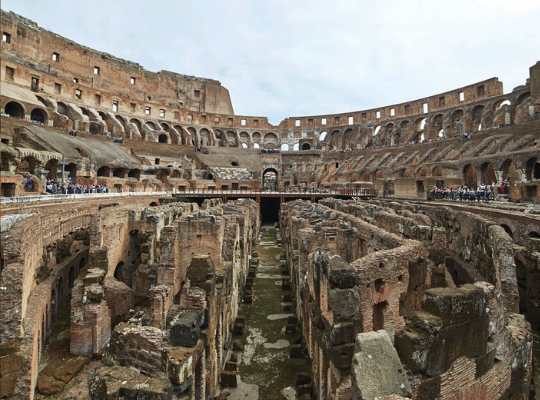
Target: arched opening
pixel 306 146
pixel 165 127
pixel 175 174
pixel 437 171
pixel 422 171
pixel 477 113
pixel 119 172
pixel 119 272
pixel 63 109
pixel 295 147
pixel 285 147
pixel 162 175
pixel 376 131
pixel 532 169
pixel 162 138
pixel 270 179
pixel 488 173
pixel 151 125
pixel 135 173
pixel 153 204
pixel 52 167
pixel 72 170
pixel 522 98
pixel 136 122
pixel 510 172
pixel 14 109
pixel 82 264
pixel 323 136
pixel 60 290
pixel 71 277
pixel 379 174
pixel 104 171
pixel 470 176
pixel 271 138
pixel 37 115
pixel 507 230
pixel 534 235
pixel 406 173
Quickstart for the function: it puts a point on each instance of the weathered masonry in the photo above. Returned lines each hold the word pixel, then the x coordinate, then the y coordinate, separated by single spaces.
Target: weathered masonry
pixel 434 290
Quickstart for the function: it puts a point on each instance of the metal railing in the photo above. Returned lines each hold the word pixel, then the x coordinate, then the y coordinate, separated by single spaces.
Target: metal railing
pixel 260 192
pixel 56 197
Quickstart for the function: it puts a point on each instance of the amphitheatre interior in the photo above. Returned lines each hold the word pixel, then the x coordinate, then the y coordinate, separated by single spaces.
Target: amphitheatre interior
pixel 155 245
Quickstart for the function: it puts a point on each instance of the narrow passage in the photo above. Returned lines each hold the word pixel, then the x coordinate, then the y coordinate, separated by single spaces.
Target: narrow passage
pixel 265 369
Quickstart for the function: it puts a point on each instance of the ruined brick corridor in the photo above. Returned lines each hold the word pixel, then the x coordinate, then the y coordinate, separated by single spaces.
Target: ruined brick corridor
pixel 272 355
pixel 155 245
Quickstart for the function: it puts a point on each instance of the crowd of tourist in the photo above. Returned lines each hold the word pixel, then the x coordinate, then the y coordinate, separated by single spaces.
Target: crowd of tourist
pixel 464 193
pixel 270 151
pixel 55 187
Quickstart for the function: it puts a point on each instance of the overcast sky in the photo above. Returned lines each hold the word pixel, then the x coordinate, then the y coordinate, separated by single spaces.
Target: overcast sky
pixel 290 58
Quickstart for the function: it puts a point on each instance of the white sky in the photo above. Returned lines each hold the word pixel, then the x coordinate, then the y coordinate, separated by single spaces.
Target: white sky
pixel 290 58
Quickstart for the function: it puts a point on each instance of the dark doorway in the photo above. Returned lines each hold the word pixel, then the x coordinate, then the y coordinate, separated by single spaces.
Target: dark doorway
pixel 37 116
pixel 269 210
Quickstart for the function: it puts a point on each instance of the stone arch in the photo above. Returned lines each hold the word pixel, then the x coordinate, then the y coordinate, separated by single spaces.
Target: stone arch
pixel 470 176
pixel 488 173
pixel 522 97
pixel 437 171
pixel 244 137
pixel 256 137
pixel 52 167
pixel 232 139
pixel 136 122
pixel 71 277
pixel 508 230
pixel 532 168
pixel 14 109
pixel 165 126
pixel 378 174
pixel 267 180
pixel 422 171
pixel 151 125
pixel 119 172
pixel 38 115
pixel 62 108
pixel 27 164
pixel 306 146
pixel 477 113
pixel 509 171
pixel 119 271
pixel 163 138
pixel 193 137
pixel 270 137
pixel 161 174
pixel 405 173
pixel 365 177
pixel 285 147
pixel 205 137
pixel 134 173
pixel 104 171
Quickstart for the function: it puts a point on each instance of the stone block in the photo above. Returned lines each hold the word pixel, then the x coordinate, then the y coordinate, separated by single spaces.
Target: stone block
pixel 376 368
pixel 186 328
